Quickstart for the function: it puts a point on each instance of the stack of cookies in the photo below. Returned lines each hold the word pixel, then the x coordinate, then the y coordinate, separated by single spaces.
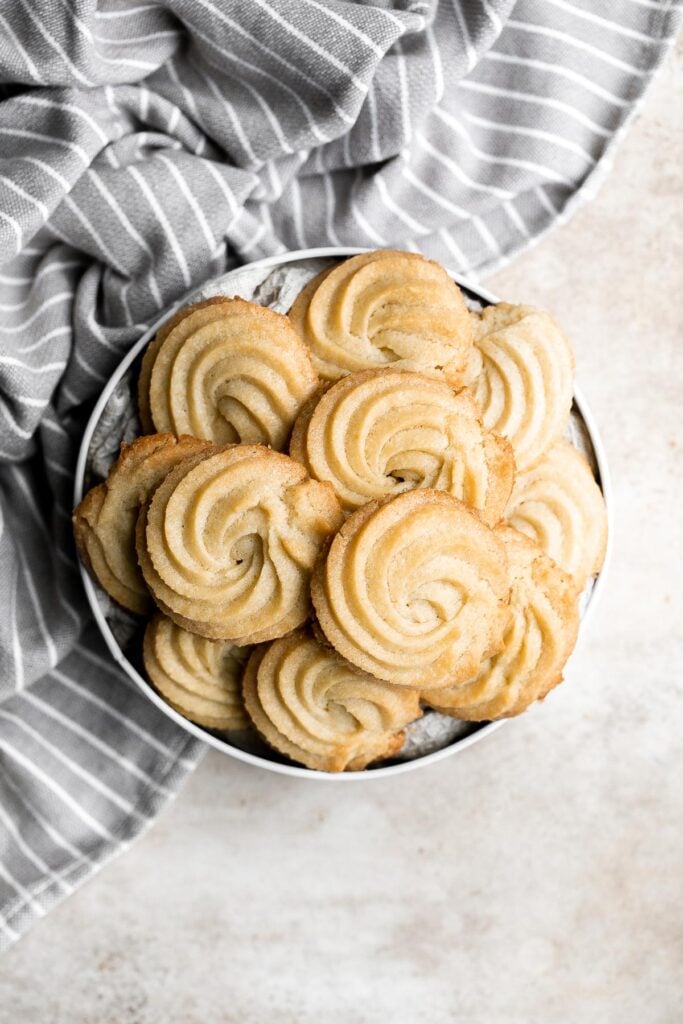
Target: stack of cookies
pixel 338 518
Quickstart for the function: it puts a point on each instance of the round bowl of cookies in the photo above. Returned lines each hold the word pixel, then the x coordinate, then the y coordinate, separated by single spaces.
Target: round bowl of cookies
pixel 341 514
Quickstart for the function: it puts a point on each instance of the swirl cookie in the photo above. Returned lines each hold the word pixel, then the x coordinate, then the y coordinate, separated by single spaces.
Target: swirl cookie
pixel 381 432
pixel 523 384
pixel 228 542
pixel 200 678
pixel 317 709
pixel 385 308
pixel 227 371
pixel 558 503
pixel 540 637
pixel 104 522
pixel 414 589
pixel 150 355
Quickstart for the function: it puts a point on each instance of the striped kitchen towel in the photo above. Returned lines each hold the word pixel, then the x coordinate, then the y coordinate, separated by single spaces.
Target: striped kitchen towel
pixel 147 145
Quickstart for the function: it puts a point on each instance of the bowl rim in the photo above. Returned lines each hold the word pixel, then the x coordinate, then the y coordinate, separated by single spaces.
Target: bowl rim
pixel 292 770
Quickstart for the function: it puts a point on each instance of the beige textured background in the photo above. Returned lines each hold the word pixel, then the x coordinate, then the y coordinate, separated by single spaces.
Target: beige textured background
pixel 537 877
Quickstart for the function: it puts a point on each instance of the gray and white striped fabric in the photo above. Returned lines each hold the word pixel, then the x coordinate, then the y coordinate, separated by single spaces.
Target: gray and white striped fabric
pixel 145 146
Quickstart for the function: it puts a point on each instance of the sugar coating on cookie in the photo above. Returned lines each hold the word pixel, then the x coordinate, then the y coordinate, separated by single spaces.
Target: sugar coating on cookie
pixel 317 709
pixel 414 589
pixel 381 432
pixel 559 504
pixel 523 378
pixel 228 371
pixel 542 631
pixel 228 542
pixel 200 678
pixel 381 309
pixel 104 521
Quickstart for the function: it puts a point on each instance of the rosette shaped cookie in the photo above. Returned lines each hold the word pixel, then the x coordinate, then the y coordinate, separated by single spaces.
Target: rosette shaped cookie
pixel 228 542
pixel 540 637
pixel 228 371
pixel 150 354
pixel 414 589
pixel 523 368
pixel 104 522
pixel 317 709
pixel 381 432
pixel 200 678
pixel 558 503
pixel 385 308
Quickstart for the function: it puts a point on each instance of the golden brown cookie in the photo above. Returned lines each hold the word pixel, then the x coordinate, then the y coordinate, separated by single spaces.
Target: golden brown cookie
pixel 104 522
pixel 381 309
pixel 414 589
pixel 150 355
pixel 317 709
pixel 381 432
pixel 228 542
pixel 540 637
pixel 558 503
pixel 523 383
pixel 200 678
pixel 228 371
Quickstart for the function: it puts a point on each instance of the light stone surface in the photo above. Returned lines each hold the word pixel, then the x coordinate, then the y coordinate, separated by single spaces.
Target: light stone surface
pixel 538 876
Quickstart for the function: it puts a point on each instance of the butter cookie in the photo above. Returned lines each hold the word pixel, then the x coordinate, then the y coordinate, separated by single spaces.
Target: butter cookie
pixel 228 542
pixel 200 678
pixel 381 309
pixel 559 504
pixel 104 522
pixel 381 432
pixel 540 637
pixel 414 589
pixel 523 384
pixel 228 371
pixel 317 709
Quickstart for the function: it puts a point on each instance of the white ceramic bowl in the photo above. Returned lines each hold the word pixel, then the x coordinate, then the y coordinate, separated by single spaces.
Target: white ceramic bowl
pixel 475 731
